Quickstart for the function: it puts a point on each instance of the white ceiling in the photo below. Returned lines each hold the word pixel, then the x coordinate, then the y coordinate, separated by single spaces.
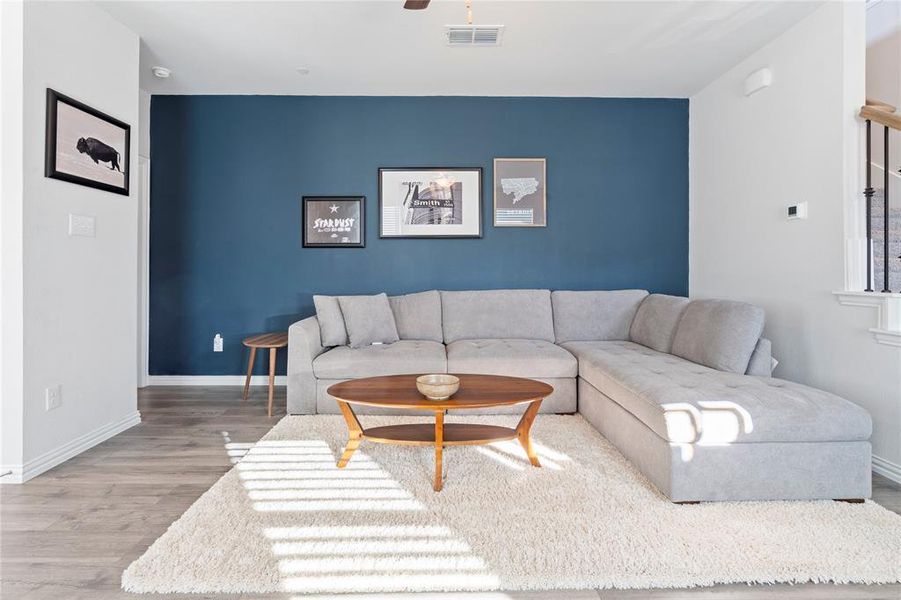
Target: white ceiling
pixel 550 47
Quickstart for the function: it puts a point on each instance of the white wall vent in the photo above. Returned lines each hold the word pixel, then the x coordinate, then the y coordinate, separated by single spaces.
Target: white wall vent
pixel 473 35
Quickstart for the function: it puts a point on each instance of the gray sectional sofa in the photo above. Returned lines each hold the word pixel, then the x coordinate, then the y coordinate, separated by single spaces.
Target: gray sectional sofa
pixel 682 388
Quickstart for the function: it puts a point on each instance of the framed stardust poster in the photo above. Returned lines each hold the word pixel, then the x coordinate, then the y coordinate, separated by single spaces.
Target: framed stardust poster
pixel 334 221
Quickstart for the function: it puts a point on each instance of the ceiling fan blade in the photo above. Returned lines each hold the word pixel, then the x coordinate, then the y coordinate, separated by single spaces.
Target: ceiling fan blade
pixel 416 4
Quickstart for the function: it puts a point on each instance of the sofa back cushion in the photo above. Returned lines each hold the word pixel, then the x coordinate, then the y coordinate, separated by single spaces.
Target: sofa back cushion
pixel 594 316
pixel 497 314
pixel 656 320
pixel 761 363
pixel 418 316
pixel 720 334
pixel 368 320
pixel 331 322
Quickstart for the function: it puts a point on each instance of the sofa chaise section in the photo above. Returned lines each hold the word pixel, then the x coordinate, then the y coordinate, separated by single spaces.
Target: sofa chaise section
pixel 731 471
pixel 687 403
pixel 700 433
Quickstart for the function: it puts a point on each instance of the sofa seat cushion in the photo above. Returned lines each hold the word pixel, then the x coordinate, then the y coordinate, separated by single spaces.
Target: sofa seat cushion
pixel 684 402
pixel 399 358
pixel 516 358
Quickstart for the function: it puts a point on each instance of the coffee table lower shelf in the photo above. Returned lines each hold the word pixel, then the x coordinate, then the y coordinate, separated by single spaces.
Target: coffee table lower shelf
pixel 423 434
pixel 438 435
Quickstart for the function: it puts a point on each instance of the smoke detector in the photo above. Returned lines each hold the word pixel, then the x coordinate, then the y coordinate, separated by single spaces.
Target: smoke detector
pixel 161 72
pixel 473 35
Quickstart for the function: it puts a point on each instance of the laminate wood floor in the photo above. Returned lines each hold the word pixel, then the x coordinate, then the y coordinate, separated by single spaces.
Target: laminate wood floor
pixel 70 533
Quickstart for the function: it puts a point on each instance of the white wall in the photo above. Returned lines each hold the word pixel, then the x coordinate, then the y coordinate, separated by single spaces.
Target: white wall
pixel 11 282
pixel 80 293
pixel 144 124
pixel 884 51
pixel 884 73
pixel 750 158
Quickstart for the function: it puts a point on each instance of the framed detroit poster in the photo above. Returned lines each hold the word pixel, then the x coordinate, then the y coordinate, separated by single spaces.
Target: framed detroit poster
pixel 426 202
pixel 85 146
pixel 334 221
pixel 520 192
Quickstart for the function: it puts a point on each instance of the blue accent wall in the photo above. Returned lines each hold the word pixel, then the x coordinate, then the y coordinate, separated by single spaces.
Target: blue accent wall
pixel 228 173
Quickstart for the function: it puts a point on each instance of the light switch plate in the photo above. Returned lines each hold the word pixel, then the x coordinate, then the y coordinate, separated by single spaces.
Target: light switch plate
pixel 82 225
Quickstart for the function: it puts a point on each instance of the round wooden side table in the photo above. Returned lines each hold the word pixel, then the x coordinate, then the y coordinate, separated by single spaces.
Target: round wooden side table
pixel 272 341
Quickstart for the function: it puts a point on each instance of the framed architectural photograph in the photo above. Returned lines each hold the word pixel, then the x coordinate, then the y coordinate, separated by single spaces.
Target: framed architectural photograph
pixel 334 221
pixel 520 192
pixel 426 202
pixel 85 146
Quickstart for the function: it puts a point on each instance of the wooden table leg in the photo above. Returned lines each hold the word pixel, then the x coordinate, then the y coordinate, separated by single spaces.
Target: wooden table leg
pixel 253 355
pixel 439 448
pixel 522 432
pixel 355 433
pixel 272 356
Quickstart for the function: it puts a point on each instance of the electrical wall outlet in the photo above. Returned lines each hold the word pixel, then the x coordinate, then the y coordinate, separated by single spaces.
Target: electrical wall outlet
pixel 53 397
pixel 217 343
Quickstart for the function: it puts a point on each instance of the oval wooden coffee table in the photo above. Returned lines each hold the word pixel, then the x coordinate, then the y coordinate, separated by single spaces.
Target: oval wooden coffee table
pixel 476 391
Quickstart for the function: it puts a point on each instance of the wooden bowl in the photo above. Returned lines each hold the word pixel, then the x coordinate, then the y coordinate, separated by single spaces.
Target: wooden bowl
pixel 438 386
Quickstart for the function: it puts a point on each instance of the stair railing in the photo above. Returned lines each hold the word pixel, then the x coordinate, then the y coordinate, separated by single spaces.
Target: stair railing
pixel 885 115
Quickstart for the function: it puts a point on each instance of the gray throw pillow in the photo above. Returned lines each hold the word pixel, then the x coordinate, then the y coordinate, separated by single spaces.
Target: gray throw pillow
pixel 331 321
pixel 655 322
pixel 368 320
pixel 720 334
pixel 418 316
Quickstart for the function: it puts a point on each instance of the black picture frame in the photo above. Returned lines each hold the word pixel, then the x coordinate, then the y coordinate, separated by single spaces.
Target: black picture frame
pixel 472 170
pixel 98 153
pixel 309 202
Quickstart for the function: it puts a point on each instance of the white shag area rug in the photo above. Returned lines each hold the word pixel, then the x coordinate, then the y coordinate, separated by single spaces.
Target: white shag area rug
pixel 286 519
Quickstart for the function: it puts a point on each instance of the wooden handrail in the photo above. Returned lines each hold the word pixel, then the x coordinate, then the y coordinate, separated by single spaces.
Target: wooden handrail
pixel 881 116
pixel 880 105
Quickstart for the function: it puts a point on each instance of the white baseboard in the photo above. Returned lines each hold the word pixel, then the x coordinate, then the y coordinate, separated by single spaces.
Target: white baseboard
pixel 887 469
pixel 213 380
pixel 48 460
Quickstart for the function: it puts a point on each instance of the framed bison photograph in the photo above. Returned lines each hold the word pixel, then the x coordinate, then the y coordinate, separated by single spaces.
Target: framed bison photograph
pixel 85 146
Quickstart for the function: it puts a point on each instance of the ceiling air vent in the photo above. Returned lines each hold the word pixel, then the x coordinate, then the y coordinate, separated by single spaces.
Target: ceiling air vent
pixel 474 35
